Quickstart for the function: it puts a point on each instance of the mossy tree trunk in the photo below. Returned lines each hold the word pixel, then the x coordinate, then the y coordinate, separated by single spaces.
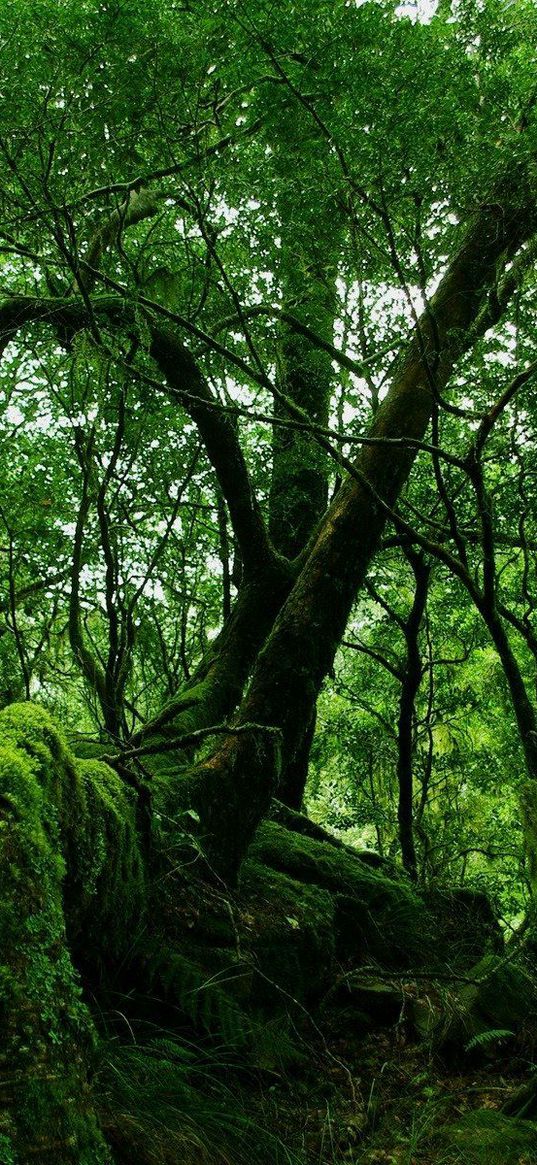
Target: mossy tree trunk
pixel 299 480
pixel 300 468
pixel 410 682
pixel 70 873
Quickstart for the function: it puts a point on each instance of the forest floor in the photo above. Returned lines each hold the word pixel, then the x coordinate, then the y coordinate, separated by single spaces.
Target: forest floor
pixel 382 1099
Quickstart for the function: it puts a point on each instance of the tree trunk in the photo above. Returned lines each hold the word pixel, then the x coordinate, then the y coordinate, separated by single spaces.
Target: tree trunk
pixel 216 687
pixel 299 481
pixel 295 775
pixel 411 680
pixel 70 871
pixel 232 790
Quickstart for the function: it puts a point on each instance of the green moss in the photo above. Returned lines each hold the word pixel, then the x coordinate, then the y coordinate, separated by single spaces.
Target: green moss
pixel 488 1138
pixel 375 915
pixel 291 933
pixel 505 992
pixel 31 729
pixel 94 811
pixel 108 863
pixel 503 997
pixel 67 852
pixel 7 1152
pixel 45 1029
pixel 374 1003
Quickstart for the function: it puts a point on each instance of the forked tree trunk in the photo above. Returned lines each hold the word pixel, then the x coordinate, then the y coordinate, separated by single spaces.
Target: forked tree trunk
pixel 231 791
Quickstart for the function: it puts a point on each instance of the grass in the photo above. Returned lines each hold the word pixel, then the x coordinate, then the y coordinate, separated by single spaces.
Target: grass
pixel 166 1101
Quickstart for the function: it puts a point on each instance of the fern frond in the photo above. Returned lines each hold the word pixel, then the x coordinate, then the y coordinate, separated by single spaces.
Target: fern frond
pixel 201 998
pixel 482 1039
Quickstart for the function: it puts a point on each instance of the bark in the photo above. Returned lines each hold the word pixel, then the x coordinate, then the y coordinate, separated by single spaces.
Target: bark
pixel 522 705
pixel 187 384
pixel 299 482
pixel 295 775
pixel 411 680
pixel 232 790
pixel 217 684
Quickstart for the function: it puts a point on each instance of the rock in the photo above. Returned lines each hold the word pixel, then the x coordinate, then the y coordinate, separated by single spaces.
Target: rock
pixel 468 924
pixel 376 916
pixel 362 1004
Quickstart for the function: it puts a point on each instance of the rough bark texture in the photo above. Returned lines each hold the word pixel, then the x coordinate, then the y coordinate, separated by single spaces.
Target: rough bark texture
pixel 299 489
pixel 299 481
pixel 294 777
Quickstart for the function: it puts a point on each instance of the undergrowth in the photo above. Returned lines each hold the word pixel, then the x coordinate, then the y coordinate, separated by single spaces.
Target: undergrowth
pixel 167 1102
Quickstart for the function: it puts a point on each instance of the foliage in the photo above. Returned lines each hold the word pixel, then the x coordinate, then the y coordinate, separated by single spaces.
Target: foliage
pixel 267 453
pixel 43 1058
pixel 487 1136
pixel 166 1101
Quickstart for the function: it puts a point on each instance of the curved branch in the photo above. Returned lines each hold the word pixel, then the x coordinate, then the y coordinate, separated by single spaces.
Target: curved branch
pixel 358 367
pixel 186 384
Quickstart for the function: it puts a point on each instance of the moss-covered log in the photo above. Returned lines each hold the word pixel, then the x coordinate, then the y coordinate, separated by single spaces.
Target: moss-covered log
pixel 376 916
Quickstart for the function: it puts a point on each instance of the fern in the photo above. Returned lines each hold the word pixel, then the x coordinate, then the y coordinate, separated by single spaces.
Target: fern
pixel 482 1039
pixel 200 996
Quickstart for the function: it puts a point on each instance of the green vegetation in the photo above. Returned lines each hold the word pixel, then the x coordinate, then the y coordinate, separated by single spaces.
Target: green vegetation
pixel 268 595
pixel 45 1026
pixel 487 1136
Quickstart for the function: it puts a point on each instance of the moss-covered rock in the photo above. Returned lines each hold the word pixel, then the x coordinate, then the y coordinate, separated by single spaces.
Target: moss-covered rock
pixel 299 823
pixel 106 871
pixel 263 948
pixel 93 812
pixel 290 936
pixel 501 997
pixel 375 916
pixel 487 1138
pixel 363 1004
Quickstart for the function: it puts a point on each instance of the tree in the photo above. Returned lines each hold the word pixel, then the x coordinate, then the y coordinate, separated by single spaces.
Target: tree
pixel 274 252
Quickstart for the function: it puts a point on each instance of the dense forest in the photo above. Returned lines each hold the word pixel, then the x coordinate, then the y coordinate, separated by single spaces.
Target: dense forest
pixel 268 559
